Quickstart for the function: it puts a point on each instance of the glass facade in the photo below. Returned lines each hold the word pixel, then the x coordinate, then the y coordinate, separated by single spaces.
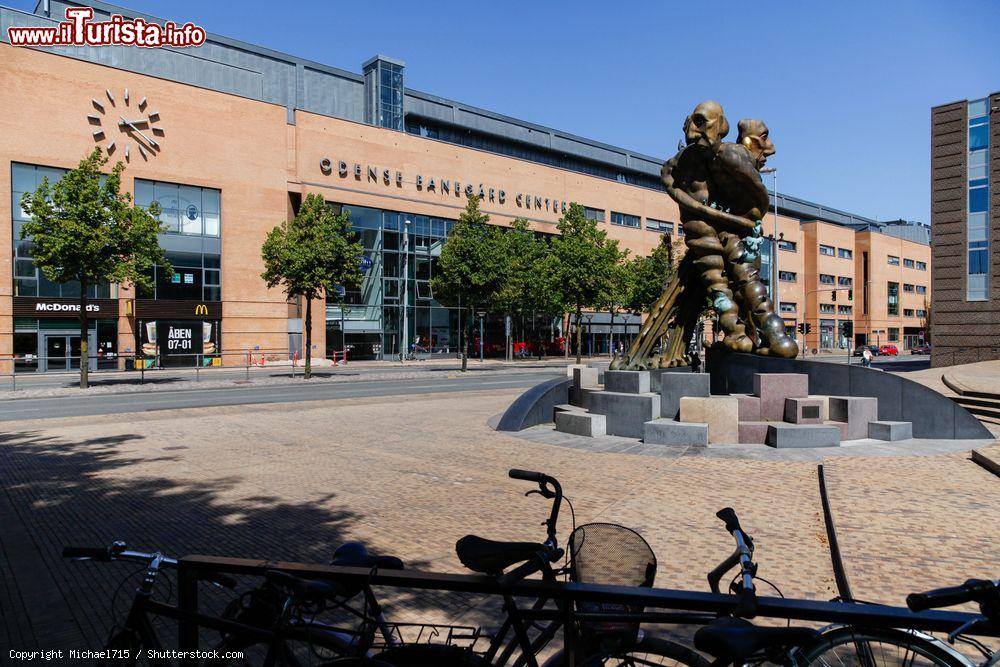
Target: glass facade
pixel 977 227
pixel 394 310
pixel 184 209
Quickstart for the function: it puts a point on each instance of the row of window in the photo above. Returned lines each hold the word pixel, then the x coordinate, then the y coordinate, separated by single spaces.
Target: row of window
pixel 977 229
pixel 908 263
pixel 830 251
pixel 910 312
pixel 919 289
pixel 829 308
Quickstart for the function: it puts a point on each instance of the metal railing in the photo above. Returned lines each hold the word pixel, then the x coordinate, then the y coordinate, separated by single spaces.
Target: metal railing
pixel 128 367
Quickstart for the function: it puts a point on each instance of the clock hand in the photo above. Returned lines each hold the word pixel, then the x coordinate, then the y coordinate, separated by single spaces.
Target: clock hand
pixel 139 132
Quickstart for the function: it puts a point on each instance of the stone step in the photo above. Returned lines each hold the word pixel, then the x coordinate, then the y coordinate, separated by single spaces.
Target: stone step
pixel 626 413
pixel 805 410
pixel 749 407
pixel 857 411
pixel 774 388
pixel 670 432
pixel 842 426
pixel 567 407
pixel 753 432
pixel 784 436
pixel 721 413
pixel 627 382
pixel 577 422
pixel 891 431
pixel 674 386
pixel 585 378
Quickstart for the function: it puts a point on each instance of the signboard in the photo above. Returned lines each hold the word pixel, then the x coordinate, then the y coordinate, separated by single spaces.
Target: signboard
pixel 156 309
pixel 61 307
pixel 366 262
pixel 178 342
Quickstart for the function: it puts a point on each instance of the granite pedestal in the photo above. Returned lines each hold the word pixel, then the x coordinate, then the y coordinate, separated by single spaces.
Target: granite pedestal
pixel 626 413
pixel 856 411
pixel 674 386
pixel 721 413
pixel 581 423
pixel 627 382
pixel 753 432
pixel 749 407
pixel 892 431
pixel 774 388
pixel 803 410
pixel 585 378
pixel 670 432
pixel 784 436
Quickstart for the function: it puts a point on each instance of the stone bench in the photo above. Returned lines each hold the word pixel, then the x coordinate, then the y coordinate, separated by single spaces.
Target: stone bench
pixel 784 436
pixel 577 422
pixel 670 432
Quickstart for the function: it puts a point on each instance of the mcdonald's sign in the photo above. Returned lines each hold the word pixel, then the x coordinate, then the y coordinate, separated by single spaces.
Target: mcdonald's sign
pixel 201 309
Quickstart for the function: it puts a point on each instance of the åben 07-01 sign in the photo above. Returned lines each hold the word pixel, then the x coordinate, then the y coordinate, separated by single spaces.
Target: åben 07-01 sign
pixel 442 187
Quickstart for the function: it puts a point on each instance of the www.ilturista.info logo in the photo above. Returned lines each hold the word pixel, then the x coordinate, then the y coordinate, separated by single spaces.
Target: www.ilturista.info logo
pixel 80 30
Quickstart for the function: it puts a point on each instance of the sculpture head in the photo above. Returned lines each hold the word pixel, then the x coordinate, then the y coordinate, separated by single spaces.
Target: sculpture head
pixel 707 125
pixel 754 136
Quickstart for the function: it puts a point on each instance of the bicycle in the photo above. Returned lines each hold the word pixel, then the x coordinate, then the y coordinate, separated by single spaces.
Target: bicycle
pixel 136 638
pixel 919 648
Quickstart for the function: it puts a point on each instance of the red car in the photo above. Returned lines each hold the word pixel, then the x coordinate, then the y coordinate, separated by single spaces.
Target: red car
pixel 890 350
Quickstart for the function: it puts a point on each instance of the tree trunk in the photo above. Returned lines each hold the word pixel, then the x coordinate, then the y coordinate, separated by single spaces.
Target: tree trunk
pixel 309 338
pixel 611 335
pixel 84 347
pixel 463 339
pixel 579 316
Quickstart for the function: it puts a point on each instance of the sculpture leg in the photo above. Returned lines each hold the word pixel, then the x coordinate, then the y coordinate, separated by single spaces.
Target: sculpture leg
pixel 709 251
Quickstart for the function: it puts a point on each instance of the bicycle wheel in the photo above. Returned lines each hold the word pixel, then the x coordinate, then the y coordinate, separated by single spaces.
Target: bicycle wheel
pixel 429 655
pixel 647 651
pixel 847 646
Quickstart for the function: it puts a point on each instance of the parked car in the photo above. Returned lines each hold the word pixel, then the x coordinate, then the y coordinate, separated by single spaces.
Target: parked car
pixel 921 349
pixel 860 350
pixel 889 350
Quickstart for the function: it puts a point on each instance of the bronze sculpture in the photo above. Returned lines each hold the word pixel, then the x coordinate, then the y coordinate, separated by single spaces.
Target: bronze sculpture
pixel 722 200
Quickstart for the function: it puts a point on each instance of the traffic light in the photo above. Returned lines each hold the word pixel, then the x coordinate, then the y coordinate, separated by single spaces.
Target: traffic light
pixel 848 329
pixel 809 327
pixel 801 327
pixel 850 295
pixel 833 295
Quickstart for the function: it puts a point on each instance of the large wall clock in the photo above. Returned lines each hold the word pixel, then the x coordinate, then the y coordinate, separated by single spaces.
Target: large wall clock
pixel 122 124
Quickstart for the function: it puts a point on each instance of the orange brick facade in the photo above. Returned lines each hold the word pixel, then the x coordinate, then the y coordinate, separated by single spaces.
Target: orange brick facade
pixel 260 161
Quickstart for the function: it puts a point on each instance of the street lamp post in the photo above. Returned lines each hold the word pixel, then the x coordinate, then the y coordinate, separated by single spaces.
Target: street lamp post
pixel 775 296
pixel 590 331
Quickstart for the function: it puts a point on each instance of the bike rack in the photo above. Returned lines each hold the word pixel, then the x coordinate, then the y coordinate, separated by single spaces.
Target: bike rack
pixel 867 615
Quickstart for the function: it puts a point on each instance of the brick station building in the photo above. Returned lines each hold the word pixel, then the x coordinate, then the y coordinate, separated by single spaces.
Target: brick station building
pixel 243 133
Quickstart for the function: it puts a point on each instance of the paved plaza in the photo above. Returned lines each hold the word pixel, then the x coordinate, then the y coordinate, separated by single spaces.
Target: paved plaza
pixel 411 474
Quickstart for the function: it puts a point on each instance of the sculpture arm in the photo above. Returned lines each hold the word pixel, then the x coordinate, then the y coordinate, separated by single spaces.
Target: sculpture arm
pixel 728 221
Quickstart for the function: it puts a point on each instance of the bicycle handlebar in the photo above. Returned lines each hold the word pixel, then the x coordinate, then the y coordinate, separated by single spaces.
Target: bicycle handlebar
pixel 746 606
pixel 973 590
pixel 119 551
pixel 548 487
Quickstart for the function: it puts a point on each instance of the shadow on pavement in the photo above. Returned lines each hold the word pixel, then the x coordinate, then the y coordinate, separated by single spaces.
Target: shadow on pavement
pixel 55 492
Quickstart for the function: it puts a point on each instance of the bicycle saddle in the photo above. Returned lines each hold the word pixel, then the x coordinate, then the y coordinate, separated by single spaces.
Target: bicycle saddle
pixel 305 589
pixel 355 554
pixel 493 557
pixel 735 639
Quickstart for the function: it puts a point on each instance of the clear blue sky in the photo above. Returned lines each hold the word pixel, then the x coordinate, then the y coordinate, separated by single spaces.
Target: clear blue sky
pixel 846 87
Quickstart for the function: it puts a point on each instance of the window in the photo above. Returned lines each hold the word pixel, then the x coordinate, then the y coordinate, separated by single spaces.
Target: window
pixel 845 310
pixel 184 209
pixel 921 312
pixel 844 281
pixel 826 279
pixel 977 227
pixel 921 289
pixel 921 266
pixel 659 226
pixel 827 250
pixel 196 277
pixel 680 229
pixel 790 246
pixel 893 260
pixel 788 276
pixel 845 253
pixel 907 287
pixel 593 213
pixel 892 303
pixel 28 279
pixel 788 306
pixel 624 219
pixel 908 263
pixel 893 334
pixel 907 312
pixel 827 308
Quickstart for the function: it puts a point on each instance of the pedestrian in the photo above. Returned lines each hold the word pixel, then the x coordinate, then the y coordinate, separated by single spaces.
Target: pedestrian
pixel 866 357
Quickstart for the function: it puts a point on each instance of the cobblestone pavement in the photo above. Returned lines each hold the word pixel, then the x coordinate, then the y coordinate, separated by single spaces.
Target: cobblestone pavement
pixel 410 475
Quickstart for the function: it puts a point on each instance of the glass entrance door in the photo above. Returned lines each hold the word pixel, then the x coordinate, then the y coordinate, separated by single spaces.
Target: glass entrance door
pixel 56 350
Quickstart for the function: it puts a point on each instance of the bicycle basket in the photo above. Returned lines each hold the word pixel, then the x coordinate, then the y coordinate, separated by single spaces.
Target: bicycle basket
pixel 606 553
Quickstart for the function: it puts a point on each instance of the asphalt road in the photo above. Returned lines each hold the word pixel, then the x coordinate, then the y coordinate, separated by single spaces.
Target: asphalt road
pixel 103 404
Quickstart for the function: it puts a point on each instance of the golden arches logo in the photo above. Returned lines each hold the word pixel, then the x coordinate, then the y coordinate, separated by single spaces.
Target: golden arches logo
pixel 201 309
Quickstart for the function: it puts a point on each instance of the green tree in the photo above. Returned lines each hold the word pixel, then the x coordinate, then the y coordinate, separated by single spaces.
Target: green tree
pixel 84 229
pixel 619 290
pixel 309 255
pixel 581 264
pixel 652 274
pixel 472 270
